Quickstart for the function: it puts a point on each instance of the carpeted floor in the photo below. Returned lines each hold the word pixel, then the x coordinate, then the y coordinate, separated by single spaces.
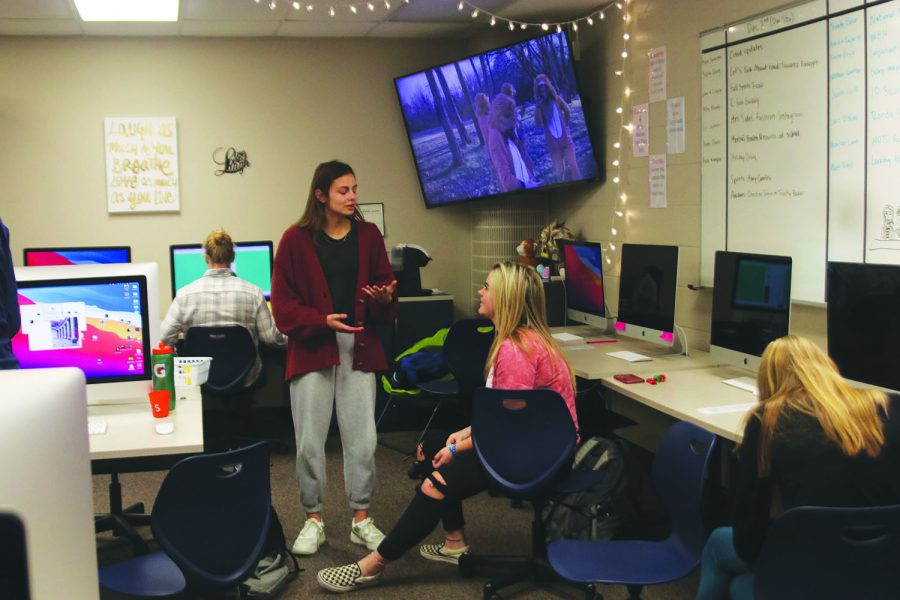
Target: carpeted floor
pixel 493 526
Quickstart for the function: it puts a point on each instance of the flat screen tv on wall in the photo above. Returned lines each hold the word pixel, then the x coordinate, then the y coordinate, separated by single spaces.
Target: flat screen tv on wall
pixel 501 122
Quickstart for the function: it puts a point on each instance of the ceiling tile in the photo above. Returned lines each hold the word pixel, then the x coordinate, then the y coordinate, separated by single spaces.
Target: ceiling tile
pixel 324 29
pixel 36 9
pixel 234 10
pixel 146 29
pixel 229 28
pixel 39 27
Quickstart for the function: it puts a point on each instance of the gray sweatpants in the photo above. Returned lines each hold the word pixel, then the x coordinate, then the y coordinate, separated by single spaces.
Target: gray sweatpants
pixel 313 398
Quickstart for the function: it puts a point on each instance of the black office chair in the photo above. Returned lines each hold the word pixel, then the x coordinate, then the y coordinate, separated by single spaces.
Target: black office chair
pixel 525 440
pixel 679 469
pixel 211 518
pixel 234 355
pixel 465 351
pixel 821 552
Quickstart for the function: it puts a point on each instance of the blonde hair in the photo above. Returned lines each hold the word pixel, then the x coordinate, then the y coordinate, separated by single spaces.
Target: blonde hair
pixel 219 247
pixel 313 218
pixel 519 305
pixel 796 376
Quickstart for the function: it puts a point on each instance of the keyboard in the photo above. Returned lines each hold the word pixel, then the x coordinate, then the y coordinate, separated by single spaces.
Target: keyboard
pixel 743 383
pixel 96 427
pixel 629 356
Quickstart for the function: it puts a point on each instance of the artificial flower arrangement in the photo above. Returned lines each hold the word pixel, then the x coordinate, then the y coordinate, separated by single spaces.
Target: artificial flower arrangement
pixel 546 245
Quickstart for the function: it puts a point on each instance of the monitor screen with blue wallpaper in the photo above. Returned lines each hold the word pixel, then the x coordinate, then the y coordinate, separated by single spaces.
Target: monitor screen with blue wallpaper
pixel 99 325
pixel 88 255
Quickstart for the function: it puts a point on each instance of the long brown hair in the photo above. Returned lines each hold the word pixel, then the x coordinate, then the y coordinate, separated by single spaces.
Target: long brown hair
pixel 796 376
pixel 519 305
pixel 313 218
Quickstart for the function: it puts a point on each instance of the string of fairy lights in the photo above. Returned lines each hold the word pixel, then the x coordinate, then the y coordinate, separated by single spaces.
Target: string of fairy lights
pixel 625 127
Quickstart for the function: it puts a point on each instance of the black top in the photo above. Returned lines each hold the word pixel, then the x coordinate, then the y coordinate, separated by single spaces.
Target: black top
pixel 808 469
pixel 9 304
pixel 340 263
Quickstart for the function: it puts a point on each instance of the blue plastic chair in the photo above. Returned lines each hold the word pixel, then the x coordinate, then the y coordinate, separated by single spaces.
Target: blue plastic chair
pixel 211 518
pixel 679 467
pixel 823 553
pixel 525 441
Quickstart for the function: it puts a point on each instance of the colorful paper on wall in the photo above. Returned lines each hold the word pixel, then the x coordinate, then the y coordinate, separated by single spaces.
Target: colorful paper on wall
pixel 657 61
pixel 675 125
pixel 658 181
pixel 640 135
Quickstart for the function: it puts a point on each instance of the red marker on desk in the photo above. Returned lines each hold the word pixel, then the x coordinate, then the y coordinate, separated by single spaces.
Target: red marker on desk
pixel 604 341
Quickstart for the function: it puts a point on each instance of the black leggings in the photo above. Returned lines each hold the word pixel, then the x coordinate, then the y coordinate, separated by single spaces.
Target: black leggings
pixel 464 478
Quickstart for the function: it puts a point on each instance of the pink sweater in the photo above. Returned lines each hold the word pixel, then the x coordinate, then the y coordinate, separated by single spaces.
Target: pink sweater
pixel 533 367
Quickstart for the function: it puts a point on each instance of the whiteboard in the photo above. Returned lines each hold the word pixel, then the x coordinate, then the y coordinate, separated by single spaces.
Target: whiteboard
pixel 809 156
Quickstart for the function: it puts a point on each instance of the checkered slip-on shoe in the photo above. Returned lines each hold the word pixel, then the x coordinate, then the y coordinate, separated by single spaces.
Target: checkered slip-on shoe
pixel 345 579
pixel 439 553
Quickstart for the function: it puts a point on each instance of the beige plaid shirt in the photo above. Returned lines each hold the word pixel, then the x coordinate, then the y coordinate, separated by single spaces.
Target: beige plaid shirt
pixel 222 298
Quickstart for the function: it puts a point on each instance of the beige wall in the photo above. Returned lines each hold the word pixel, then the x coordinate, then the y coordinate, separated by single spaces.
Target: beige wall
pixel 293 103
pixel 675 25
pixel 289 103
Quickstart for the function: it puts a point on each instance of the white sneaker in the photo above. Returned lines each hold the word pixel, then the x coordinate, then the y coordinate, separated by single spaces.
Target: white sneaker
pixel 311 537
pixel 365 533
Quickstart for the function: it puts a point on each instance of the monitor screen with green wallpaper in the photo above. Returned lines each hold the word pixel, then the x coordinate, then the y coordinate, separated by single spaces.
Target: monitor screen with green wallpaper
pixel 252 261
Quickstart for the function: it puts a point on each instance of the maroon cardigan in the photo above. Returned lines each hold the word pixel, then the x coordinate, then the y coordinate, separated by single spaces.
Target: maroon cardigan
pixel 301 300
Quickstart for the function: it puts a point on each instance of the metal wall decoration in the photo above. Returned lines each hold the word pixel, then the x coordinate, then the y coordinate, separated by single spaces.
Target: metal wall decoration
pixel 233 161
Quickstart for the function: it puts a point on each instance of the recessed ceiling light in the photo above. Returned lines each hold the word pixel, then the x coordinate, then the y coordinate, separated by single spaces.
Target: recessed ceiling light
pixel 127 10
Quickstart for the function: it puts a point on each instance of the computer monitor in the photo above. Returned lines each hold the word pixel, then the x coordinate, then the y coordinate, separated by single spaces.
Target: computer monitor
pixel 863 319
pixel 252 261
pixel 47 534
pixel 585 300
pixel 103 319
pixel 751 306
pixel 647 293
pixel 84 255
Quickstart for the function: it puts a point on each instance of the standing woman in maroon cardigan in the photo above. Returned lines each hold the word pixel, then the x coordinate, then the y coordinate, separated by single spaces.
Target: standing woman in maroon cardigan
pixel 332 284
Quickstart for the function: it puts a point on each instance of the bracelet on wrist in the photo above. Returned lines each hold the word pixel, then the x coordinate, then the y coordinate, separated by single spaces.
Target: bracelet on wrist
pixel 452 449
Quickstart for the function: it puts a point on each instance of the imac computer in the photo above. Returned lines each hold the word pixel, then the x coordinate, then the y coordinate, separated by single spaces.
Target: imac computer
pixel 585 300
pixel 863 317
pixel 103 319
pixel 647 293
pixel 252 261
pixel 47 540
pixel 86 255
pixel 751 307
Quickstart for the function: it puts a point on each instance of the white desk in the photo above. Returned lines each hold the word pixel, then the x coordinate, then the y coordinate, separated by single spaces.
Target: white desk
pixel 131 433
pixel 591 361
pixel 131 444
pixel 692 382
pixel 686 392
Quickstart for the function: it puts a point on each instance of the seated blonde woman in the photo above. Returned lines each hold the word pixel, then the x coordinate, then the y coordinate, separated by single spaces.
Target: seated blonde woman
pixel 813 441
pixel 523 356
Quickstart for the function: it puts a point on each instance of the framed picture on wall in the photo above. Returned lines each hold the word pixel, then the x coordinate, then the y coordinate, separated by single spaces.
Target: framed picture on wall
pixel 141 164
pixel 374 213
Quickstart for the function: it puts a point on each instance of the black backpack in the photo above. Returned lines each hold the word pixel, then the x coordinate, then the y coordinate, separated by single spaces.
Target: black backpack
pixel 275 569
pixel 597 513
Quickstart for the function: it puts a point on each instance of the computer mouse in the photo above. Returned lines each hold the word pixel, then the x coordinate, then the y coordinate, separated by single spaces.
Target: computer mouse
pixel 165 428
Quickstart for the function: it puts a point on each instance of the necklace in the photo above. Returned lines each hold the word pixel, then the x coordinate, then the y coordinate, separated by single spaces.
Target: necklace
pixel 339 240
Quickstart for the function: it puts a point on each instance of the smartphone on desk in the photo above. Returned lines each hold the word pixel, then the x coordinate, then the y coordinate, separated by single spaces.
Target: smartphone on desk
pixel 628 378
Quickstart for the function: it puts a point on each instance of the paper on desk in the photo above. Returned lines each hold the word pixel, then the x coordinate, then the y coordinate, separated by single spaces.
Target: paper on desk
pixel 566 337
pixel 726 408
pixel 629 356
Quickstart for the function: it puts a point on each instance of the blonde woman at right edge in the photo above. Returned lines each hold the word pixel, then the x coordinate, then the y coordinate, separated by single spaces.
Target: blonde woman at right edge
pixel 813 441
